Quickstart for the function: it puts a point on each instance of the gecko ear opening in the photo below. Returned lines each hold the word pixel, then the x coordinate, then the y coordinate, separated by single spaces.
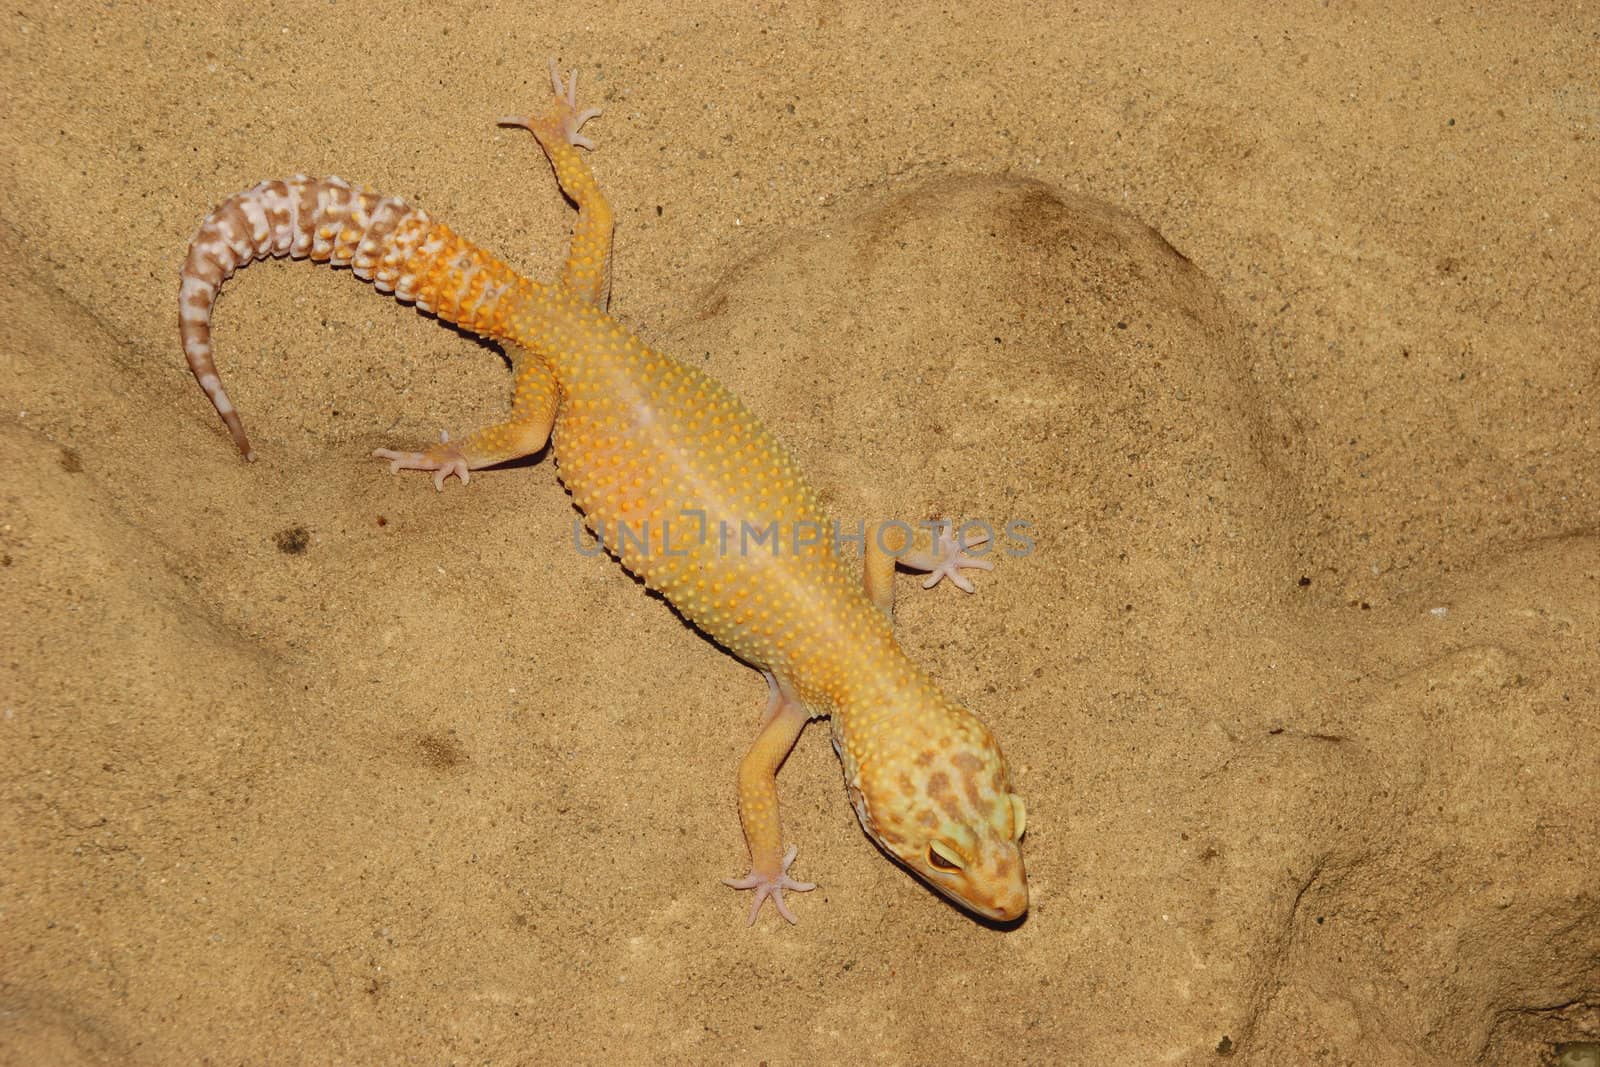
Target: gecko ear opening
pixel 941 857
pixel 1019 817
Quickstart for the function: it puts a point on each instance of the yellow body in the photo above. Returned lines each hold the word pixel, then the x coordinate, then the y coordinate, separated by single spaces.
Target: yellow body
pixel 697 497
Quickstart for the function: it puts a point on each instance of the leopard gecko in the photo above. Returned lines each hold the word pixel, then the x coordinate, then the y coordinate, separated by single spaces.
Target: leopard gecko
pixel 662 451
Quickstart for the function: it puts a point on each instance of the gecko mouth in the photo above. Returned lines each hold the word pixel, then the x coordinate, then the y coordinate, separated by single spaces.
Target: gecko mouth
pixel 1004 910
pixel 1008 908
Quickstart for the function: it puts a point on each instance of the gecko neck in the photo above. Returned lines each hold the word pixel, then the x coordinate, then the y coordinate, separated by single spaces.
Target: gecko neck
pixel 889 707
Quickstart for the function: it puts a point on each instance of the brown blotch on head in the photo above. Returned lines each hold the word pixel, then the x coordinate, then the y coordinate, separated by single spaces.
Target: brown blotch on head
pixel 928 819
pixel 1002 867
pixel 908 787
pixel 939 789
pixel 924 758
pixel 967 763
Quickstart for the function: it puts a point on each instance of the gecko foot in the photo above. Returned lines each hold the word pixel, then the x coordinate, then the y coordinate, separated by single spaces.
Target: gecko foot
pixel 444 459
pixel 767 885
pixel 949 557
pixel 564 117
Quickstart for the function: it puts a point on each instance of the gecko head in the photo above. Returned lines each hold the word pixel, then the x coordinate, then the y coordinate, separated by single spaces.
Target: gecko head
pixel 942 806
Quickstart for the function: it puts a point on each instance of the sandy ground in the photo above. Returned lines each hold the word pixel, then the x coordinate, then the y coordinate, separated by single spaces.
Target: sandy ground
pixel 1282 334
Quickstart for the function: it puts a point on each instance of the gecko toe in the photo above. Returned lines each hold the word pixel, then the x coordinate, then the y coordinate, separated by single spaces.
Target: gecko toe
pixel 771 887
pixel 949 558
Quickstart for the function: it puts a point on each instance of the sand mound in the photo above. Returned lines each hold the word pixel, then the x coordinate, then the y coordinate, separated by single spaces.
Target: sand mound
pixel 312 762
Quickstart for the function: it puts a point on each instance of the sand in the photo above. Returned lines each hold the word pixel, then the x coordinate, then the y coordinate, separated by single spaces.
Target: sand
pixel 1280 330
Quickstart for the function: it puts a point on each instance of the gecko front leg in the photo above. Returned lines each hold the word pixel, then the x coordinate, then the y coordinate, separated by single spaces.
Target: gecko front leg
pixel 891 543
pixel 786 717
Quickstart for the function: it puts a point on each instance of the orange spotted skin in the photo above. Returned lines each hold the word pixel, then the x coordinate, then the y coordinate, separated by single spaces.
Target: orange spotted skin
pixel 692 493
pixel 680 479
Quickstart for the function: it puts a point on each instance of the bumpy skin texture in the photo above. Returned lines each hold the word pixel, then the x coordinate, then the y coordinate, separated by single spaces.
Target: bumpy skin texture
pixel 691 492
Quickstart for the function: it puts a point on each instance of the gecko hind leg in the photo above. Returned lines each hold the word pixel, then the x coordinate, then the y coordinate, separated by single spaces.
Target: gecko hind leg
pixel 533 413
pixel 588 268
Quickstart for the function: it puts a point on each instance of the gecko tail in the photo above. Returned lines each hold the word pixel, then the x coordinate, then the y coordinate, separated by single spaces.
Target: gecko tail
pixel 382 239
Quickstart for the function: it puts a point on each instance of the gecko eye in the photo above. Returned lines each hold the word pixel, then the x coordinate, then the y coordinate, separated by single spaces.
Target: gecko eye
pixel 1019 817
pixel 941 857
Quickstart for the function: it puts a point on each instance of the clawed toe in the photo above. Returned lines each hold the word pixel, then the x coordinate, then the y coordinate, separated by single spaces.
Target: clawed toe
pixel 949 558
pixel 771 887
pixel 569 91
pixel 569 116
pixel 563 120
pixel 449 463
